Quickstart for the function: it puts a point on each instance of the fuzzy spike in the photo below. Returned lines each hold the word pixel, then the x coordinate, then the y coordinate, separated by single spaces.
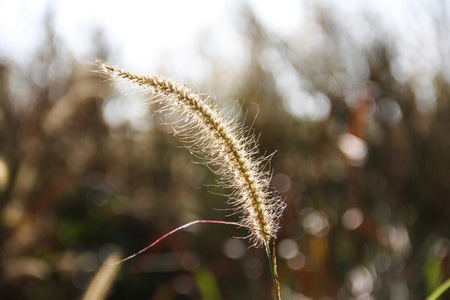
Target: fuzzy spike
pixel 221 143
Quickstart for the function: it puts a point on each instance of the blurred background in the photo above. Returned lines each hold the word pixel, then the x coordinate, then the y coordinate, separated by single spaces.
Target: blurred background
pixel 352 95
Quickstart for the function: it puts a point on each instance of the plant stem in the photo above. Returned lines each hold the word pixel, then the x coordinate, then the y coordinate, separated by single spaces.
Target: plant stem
pixel 271 255
pixel 184 227
pixel 440 290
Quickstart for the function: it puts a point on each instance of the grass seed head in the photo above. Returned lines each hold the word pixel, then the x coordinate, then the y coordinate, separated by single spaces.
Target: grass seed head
pixel 224 145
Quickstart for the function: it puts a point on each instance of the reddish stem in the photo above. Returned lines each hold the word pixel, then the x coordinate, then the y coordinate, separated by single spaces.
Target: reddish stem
pixel 183 227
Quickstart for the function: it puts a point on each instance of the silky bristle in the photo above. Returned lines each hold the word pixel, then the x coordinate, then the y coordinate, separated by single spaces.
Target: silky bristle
pixel 220 143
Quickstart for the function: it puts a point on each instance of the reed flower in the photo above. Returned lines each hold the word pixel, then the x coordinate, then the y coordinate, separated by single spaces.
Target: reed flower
pixel 224 145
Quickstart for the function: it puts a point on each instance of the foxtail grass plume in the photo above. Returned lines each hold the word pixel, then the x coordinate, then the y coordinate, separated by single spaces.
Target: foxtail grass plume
pixel 226 146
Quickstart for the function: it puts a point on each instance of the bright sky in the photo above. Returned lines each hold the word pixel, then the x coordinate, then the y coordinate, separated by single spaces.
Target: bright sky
pixel 140 31
pixel 145 34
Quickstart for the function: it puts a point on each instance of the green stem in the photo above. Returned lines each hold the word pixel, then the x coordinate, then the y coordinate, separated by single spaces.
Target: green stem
pixel 440 290
pixel 271 255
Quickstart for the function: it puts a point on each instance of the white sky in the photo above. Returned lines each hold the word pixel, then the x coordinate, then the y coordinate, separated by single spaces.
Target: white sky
pixel 139 30
pixel 146 34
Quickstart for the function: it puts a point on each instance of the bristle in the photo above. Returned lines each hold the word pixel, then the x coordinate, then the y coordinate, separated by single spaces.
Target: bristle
pixel 220 143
